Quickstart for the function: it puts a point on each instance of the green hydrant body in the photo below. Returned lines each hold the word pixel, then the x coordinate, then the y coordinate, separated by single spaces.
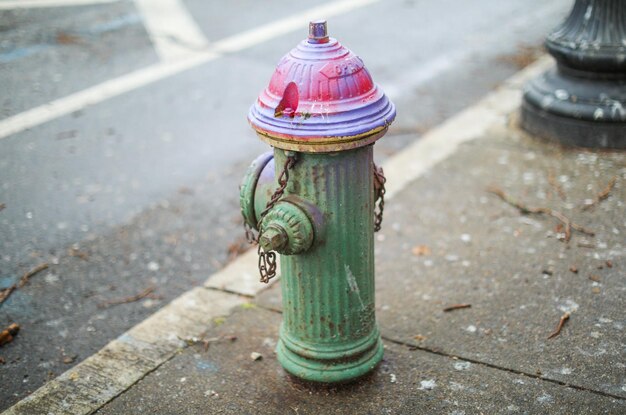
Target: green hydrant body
pixel 314 203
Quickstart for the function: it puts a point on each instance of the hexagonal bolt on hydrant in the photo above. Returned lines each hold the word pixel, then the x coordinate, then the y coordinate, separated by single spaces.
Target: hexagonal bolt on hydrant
pixel 317 201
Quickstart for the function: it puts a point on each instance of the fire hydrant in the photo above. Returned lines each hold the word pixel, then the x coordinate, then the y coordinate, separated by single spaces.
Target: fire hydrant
pixel 317 201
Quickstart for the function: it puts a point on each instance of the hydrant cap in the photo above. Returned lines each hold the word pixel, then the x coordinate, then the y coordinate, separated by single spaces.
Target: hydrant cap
pixel 321 98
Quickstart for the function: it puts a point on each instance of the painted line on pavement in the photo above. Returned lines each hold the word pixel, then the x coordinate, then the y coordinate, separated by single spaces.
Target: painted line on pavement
pixel 139 78
pixel 124 361
pixel 171 28
pixel 33 4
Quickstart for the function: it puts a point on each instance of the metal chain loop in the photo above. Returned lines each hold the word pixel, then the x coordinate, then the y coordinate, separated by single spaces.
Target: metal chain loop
pixel 250 236
pixel 379 186
pixel 267 260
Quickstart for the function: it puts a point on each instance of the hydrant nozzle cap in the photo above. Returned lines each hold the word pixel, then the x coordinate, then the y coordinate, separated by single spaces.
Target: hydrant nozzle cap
pixel 318 31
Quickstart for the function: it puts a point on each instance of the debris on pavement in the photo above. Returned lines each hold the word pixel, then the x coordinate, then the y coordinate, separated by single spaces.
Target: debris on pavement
pixel 428 384
pixel 256 356
pixel 184 190
pixel 562 321
pixel 594 277
pixel 589 203
pixel 147 293
pixel 65 38
pixel 585 244
pixel 573 269
pixel 211 393
pixel 7 335
pixel 69 359
pixel 5 293
pixel 75 252
pixel 525 210
pixel 206 342
pixel 456 307
pixel 392 378
pixel 557 187
pixel 420 250
pixel 2 206
pixel 523 56
pixel 153 266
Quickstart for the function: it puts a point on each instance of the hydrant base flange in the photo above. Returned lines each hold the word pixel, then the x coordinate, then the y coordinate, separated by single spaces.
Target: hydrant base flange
pixel 331 371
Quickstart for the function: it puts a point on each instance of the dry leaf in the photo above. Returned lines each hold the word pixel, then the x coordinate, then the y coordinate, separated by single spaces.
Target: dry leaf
pixel 420 250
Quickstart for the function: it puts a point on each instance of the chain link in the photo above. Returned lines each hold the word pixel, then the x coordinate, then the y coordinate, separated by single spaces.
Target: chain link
pixel 250 236
pixel 379 185
pixel 267 260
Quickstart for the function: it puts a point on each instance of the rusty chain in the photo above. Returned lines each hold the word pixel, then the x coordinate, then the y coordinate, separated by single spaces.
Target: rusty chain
pixel 379 185
pixel 267 260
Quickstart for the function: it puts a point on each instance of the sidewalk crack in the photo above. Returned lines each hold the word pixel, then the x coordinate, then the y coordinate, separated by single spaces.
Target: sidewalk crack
pixel 485 364
pixel 504 369
pixel 224 290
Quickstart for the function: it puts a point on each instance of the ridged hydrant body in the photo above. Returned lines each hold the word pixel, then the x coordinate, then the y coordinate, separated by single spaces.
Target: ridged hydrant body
pixel 314 202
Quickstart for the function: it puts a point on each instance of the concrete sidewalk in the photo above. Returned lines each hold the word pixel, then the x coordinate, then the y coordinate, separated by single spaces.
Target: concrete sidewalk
pixel 446 240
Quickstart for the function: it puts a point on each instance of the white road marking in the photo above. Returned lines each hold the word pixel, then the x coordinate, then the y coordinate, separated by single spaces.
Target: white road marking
pixel 125 83
pixel 98 93
pixel 172 30
pixel 33 4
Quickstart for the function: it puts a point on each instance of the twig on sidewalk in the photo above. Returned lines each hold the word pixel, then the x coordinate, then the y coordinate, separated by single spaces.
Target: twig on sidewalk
pixel 602 195
pixel 7 335
pixel 148 292
pixel 75 252
pixel 557 187
pixel 526 210
pixel 562 321
pixel 5 293
pixel 206 342
pixel 456 307
pixel 30 273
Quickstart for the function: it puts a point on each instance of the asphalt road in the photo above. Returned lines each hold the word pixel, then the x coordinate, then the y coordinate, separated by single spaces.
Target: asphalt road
pixel 137 189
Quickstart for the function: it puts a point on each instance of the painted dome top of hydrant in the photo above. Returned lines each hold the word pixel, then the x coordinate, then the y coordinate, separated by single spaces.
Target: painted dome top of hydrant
pixel 321 98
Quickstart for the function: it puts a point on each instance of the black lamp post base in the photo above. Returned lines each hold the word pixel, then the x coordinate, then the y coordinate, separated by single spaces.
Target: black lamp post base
pixel 582 101
pixel 575 111
pixel 570 131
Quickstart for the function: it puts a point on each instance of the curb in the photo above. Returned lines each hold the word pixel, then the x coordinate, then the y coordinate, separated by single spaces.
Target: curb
pixel 124 361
